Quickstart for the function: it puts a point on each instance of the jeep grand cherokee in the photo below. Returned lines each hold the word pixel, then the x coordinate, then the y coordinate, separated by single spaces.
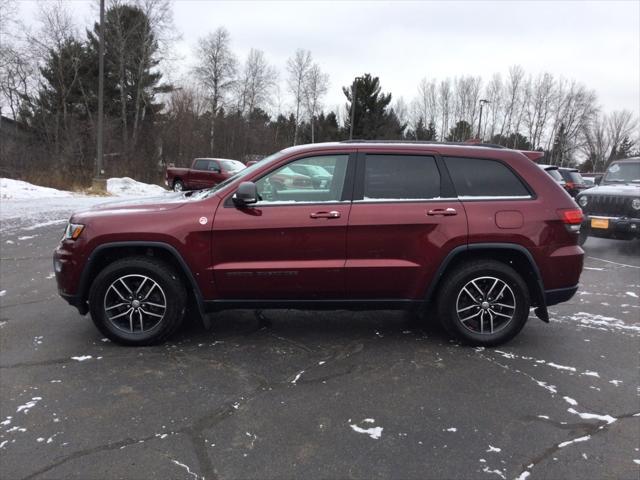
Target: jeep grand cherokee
pixel 474 234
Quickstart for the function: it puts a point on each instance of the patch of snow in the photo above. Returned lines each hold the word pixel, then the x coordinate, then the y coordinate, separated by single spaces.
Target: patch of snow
pixel 546 417
pixel 496 471
pixel 523 475
pixel 592 320
pixel 297 377
pixel 494 449
pixel 570 401
pixel 373 432
pixel 561 367
pixel 594 268
pixel 3 293
pixel 18 190
pixel 615 382
pixel 593 416
pixel 632 294
pixel 452 429
pixel 82 358
pixel 128 187
pixel 589 373
pixel 186 467
pixel 27 237
pixel 369 420
pixel 50 276
pixel 575 440
pixel 29 405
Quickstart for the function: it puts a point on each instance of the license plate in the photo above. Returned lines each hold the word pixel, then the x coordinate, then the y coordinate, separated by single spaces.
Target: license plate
pixel 599 223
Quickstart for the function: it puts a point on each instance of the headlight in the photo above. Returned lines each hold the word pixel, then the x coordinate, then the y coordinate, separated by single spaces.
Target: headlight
pixel 635 203
pixel 73 231
pixel 582 201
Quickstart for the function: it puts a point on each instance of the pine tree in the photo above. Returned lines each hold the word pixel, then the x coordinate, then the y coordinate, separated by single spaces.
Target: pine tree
pixel 372 118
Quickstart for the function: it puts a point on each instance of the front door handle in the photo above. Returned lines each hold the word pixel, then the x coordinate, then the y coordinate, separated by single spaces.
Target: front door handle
pixel 445 212
pixel 331 214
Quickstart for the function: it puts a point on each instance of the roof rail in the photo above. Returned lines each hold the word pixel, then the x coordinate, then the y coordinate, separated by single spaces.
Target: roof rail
pixel 427 142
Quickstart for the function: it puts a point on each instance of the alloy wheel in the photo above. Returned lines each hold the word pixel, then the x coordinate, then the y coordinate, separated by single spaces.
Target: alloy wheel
pixel 485 305
pixel 135 304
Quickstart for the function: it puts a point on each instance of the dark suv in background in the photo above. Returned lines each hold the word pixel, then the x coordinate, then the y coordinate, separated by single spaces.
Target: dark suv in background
pixel 612 209
pixel 474 235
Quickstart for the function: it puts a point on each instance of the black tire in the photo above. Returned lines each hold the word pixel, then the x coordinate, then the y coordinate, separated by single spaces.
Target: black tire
pixel 168 286
pixel 582 236
pixel 178 185
pixel 453 297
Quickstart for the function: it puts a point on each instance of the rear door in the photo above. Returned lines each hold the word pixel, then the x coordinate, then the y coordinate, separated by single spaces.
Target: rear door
pixel 289 245
pixel 198 173
pixel 403 222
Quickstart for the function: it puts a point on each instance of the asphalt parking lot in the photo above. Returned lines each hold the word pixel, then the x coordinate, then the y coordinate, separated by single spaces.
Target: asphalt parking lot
pixel 319 395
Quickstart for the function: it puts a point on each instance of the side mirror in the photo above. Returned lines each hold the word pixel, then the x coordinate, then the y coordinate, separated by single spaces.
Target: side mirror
pixel 597 180
pixel 246 194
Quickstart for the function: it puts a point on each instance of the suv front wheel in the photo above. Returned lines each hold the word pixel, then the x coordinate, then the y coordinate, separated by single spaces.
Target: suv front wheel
pixel 484 302
pixel 137 301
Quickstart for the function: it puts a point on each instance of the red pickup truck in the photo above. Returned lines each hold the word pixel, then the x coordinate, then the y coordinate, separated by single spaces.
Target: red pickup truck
pixel 204 173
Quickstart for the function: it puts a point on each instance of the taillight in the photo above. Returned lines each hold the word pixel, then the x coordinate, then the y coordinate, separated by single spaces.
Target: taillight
pixel 572 218
pixel 570 185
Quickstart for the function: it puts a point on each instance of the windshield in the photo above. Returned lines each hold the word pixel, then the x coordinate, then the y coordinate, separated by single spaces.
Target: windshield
pixel 576 177
pixel 241 174
pixel 623 172
pixel 231 165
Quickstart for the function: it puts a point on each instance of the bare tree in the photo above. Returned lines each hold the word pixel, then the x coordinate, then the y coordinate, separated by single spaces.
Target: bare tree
pixel 298 68
pixel 444 104
pixel 216 72
pixel 620 125
pixel 256 82
pixel 316 85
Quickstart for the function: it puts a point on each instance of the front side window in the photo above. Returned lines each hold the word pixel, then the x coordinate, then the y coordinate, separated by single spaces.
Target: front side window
pixel 306 180
pixel 479 177
pixel 401 177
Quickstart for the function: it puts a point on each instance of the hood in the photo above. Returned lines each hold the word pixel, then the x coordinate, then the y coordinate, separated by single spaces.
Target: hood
pixel 160 203
pixel 617 189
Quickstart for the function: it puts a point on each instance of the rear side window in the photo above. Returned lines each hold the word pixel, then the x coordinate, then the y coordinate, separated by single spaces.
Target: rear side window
pixel 555 174
pixel 400 177
pixel 479 177
pixel 201 165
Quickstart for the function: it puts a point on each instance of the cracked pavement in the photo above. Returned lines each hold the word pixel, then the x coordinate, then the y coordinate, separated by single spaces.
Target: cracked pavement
pixel 287 394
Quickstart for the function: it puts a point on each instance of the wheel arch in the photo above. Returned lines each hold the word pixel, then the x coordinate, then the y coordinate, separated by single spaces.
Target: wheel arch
pixel 516 256
pixel 106 253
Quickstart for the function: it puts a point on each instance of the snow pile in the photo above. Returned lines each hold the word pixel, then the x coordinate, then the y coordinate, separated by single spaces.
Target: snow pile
pixel 128 187
pixel 18 190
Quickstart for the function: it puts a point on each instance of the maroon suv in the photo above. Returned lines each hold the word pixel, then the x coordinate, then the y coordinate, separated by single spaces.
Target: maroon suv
pixel 475 235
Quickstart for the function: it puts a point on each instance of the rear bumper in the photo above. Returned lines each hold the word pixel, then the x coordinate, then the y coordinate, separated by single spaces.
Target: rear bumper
pixel 622 227
pixel 559 295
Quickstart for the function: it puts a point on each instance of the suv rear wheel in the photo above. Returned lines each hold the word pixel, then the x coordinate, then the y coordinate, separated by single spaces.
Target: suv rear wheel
pixel 137 301
pixel 484 302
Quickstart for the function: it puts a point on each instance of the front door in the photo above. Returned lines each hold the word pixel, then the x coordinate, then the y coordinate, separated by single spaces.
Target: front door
pixel 403 222
pixel 292 243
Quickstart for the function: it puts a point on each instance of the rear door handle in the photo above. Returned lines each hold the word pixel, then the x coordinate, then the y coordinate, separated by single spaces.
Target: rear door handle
pixel 445 212
pixel 331 214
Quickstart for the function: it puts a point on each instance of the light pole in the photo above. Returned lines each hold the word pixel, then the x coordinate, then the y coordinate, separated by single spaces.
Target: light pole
pixel 353 105
pixel 99 180
pixel 482 102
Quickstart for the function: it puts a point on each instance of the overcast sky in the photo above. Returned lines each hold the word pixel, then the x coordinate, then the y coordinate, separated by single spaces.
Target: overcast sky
pixel 596 43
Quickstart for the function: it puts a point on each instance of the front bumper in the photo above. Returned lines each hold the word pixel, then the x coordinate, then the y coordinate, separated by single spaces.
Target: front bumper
pixel 611 227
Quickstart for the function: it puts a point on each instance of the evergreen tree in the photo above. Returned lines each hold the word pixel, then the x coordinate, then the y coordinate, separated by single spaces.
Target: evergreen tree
pixel 460 132
pixel 372 118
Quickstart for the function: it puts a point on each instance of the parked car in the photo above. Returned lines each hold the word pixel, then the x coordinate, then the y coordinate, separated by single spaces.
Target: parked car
pixel 554 172
pixel 612 209
pixel 574 183
pixel 591 179
pixel 204 173
pixel 474 235
pixel 319 176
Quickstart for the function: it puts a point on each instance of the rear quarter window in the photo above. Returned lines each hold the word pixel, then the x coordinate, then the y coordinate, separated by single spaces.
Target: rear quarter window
pixel 479 177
